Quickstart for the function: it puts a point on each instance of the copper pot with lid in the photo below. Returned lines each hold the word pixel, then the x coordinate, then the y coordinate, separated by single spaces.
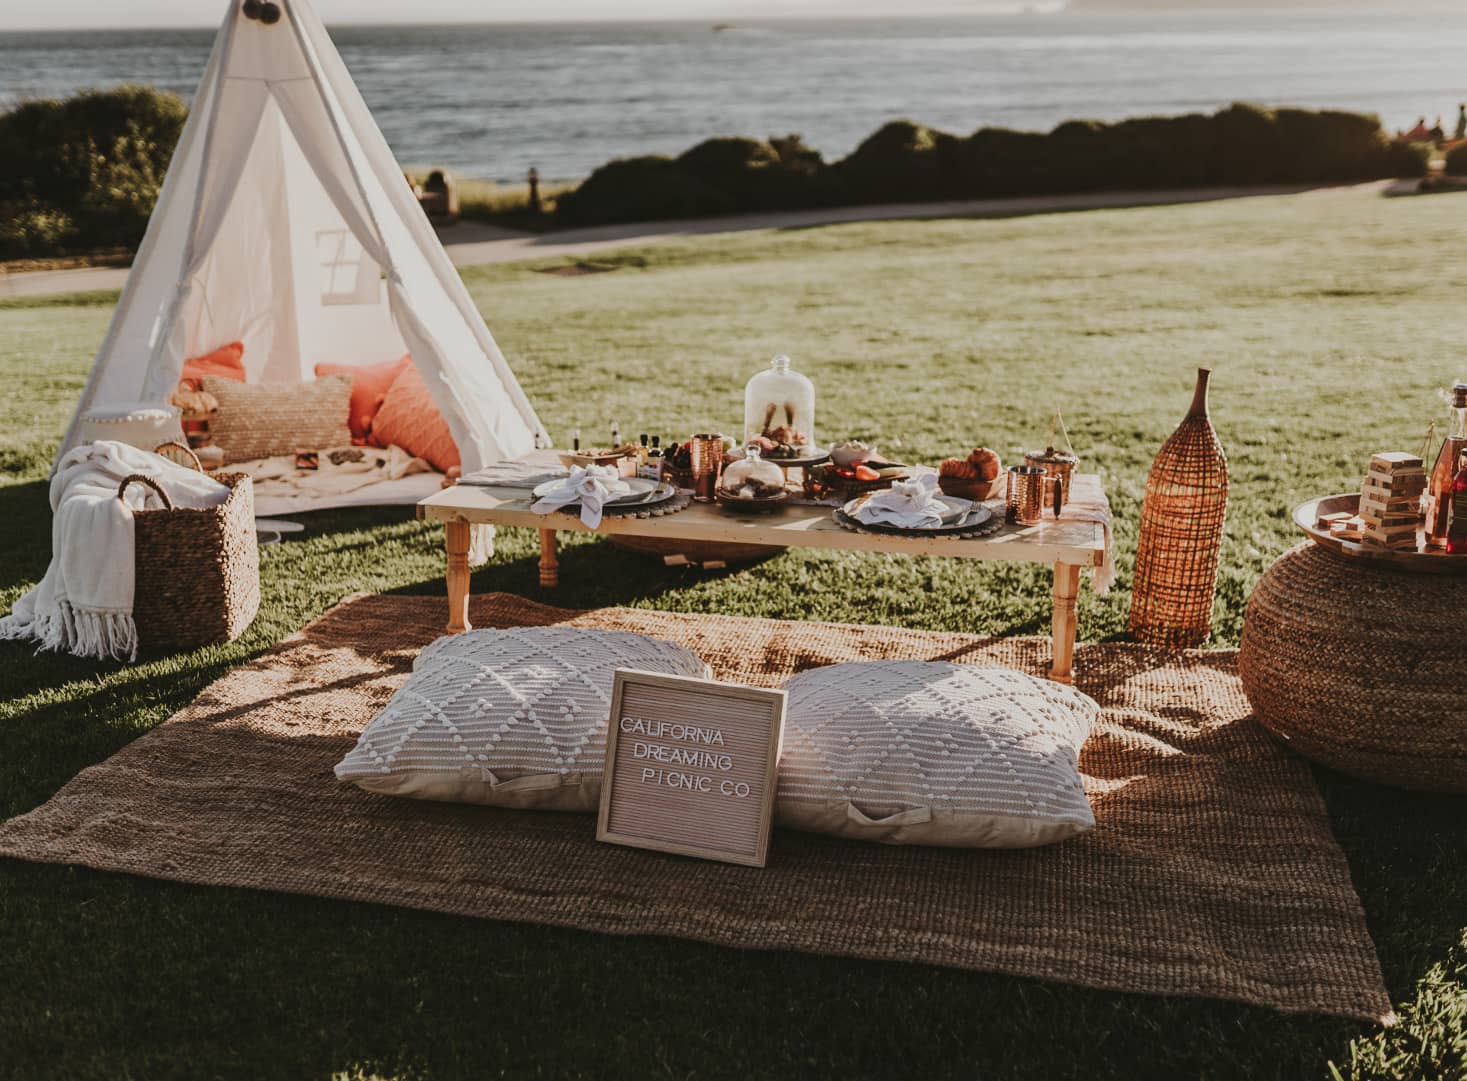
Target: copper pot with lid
pixel 1059 464
pixel 1056 463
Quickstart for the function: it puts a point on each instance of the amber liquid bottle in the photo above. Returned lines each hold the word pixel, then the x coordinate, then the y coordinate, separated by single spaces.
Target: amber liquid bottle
pixel 1439 485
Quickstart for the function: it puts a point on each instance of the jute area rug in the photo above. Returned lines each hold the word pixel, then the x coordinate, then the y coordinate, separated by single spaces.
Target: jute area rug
pixel 1212 870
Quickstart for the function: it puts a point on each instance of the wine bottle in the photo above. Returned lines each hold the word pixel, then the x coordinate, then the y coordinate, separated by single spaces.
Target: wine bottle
pixel 1439 487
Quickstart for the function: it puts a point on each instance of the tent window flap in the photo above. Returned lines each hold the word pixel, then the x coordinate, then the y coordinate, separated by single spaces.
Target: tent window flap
pixel 348 274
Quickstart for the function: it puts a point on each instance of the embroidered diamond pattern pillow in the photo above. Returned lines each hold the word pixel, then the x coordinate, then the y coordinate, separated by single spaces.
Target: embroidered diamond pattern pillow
pixel 510 718
pixel 930 753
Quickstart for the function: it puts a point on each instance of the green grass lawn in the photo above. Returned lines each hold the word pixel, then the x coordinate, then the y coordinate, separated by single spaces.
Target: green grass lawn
pixel 1330 318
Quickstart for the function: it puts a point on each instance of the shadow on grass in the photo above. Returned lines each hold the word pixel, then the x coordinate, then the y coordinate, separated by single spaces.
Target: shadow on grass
pixel 1407 851
pixel 593 574
pixel 25 532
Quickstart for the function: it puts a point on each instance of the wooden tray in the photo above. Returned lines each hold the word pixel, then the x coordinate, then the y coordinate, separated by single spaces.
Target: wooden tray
pixel 1422 561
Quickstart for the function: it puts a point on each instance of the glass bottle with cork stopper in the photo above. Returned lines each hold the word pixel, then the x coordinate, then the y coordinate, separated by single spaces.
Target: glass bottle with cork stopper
pixel 1444 471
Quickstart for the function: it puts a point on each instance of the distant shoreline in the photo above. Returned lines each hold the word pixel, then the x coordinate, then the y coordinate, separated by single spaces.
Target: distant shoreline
pixel 1045 9
pixel 492 100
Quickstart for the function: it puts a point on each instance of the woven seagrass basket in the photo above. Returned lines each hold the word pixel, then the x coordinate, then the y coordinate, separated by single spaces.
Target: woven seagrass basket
pixel 1181 533
pixel 197 570
pixel 1358 666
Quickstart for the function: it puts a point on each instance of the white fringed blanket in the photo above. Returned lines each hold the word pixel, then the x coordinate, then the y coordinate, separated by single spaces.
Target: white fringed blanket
pixel 83 605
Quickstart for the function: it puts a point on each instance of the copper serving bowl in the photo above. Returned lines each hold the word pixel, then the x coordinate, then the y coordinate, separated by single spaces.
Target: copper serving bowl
pixel 969 488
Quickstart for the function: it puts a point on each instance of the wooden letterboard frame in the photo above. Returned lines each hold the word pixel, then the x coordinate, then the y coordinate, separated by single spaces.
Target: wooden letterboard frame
pixel 691 766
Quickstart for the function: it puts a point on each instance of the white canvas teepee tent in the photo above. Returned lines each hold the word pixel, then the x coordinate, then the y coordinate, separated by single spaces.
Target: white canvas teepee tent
pixel 286 223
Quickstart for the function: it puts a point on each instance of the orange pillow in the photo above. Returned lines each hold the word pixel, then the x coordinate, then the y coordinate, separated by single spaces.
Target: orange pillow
pixel 227 362
pixel 369 386
pixel 410 420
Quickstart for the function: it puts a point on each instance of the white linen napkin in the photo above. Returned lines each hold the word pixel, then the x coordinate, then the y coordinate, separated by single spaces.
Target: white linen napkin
pixel 514 474
pixel 590 486
pixel 84 603
pixel 911 504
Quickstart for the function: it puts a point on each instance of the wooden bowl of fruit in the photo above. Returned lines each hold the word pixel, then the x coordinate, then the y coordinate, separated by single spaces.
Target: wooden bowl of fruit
pixel 975 477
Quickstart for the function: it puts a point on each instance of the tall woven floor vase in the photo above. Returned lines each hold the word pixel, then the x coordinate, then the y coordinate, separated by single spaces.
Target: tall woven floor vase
pixel 1181 533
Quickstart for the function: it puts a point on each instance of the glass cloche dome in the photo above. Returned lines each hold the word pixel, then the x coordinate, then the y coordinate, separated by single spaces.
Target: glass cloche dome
pixel 751 477
pixel 779 410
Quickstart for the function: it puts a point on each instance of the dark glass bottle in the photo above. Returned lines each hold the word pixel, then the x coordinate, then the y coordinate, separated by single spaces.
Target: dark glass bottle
pixel 1457 530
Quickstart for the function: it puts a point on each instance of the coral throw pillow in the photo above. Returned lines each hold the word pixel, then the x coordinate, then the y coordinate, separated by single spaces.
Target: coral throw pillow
pixel 226 362
pixel 409 419
pixel 369 386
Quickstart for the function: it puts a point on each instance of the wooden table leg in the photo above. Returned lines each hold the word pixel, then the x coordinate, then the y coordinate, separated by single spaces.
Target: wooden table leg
pixel 549 561
pixel 1066 589
pixel 456 544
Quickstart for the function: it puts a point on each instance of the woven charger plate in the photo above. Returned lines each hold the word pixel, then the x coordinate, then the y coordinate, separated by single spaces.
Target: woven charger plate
pixel 671 503
pixel 992 524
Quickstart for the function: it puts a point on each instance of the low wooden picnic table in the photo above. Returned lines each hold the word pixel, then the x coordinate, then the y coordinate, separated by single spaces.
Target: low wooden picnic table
pixel 1069 545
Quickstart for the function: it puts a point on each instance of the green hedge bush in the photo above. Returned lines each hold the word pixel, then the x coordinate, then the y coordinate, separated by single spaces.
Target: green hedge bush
pixel 640 189
pixel 903 161
pixel 775 175
pixel 900 162
pixel 1408 160
pixel 83 174
pixel 1457 160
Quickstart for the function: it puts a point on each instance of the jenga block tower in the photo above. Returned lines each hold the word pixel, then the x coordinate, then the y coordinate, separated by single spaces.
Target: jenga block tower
pixel 1390 500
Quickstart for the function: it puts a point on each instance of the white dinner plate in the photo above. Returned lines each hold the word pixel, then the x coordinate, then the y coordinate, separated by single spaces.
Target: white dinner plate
pixel 957 509
pixel 642 490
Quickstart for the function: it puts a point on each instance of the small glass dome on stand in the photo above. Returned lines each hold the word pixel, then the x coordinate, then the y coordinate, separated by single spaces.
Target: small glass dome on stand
pixel 751 477
pixel 779 411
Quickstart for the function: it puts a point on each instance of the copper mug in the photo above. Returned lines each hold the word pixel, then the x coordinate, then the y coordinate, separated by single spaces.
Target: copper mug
pixel 1026 493
pixel 706 452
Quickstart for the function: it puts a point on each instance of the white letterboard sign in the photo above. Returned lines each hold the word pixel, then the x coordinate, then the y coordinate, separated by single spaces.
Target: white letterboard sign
pixel 691 766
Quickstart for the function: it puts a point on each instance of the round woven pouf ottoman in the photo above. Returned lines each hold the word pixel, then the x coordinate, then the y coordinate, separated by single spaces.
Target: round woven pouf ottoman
pixel 1361 667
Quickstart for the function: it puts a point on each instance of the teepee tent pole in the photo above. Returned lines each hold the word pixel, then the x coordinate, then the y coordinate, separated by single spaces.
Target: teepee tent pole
pixel 181 285
pixel 168 193
pixel 375 147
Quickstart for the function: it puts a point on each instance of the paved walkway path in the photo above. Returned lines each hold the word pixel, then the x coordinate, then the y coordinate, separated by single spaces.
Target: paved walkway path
pixel 475 244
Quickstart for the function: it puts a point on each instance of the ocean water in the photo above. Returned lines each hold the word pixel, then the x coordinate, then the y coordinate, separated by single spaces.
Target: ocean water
pixel 492 100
